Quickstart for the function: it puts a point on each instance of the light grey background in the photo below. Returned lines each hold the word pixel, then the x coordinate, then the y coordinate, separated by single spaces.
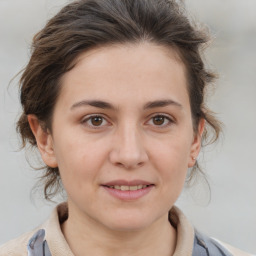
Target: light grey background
pixel 231 214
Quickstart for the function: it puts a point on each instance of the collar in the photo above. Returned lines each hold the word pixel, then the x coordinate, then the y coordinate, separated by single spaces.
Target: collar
pixel 59 246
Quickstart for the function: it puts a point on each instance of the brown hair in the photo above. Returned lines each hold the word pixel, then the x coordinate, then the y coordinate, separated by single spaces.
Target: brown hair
pixel 86 24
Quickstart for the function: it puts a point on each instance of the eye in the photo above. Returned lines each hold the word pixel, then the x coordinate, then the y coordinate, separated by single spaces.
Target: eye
pixel 95 121
pixel 160 120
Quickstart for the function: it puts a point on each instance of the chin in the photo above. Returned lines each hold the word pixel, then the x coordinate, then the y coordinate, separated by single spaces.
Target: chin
pixel 129 221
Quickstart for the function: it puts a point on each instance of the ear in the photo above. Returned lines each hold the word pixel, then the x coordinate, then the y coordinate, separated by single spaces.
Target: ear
pixel 44 141
pixel 196 144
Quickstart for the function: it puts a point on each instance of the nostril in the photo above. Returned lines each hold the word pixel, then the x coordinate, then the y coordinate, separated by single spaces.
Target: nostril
pixel 127 156
pixel 129 165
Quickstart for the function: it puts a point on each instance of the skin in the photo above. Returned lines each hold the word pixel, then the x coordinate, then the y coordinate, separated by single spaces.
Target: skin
pixel 134 139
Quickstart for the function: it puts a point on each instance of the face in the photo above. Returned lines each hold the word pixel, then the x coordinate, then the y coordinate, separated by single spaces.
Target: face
pixel 122 135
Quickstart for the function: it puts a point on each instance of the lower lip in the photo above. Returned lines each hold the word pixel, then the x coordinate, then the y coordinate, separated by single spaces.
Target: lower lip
pixel 128 195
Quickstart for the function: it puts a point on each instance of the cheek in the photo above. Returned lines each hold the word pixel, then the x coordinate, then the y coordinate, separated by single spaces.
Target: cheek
pixel 174 151
pixel 171 160
pixel 78 162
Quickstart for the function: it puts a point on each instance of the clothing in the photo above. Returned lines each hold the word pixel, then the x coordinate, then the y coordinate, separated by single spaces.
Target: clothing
pixel 48 240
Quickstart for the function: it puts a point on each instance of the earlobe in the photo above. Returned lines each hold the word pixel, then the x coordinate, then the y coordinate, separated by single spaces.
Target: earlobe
pixel 196 145
pixel 44 141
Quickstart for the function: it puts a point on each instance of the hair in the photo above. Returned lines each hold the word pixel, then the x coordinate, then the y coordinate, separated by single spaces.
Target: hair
pixel 87 24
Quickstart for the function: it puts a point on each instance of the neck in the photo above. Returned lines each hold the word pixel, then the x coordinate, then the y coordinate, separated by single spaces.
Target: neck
pixel 86 236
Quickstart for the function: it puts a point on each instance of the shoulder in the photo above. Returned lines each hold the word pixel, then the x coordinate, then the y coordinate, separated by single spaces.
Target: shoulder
pixel 214 247
pixel 16 247
pixel 51 231
pixel 233 250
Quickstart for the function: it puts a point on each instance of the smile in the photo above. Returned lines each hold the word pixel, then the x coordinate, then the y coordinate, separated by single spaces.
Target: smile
pixel 128 188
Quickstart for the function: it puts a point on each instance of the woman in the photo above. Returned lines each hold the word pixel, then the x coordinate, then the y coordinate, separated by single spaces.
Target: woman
pixel 113 98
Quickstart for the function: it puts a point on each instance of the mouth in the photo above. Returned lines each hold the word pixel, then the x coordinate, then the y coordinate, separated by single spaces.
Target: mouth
pixel 128 188
pixel 125 190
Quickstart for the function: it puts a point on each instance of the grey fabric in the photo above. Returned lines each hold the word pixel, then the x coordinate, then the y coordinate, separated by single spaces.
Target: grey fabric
pixel 205 246
pixel 37 245
pixel 46 249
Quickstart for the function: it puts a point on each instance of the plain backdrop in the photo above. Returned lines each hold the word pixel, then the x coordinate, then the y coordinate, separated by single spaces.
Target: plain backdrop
pixel 230 214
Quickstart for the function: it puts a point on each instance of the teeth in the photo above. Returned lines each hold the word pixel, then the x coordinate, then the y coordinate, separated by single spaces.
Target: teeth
pixel 126 188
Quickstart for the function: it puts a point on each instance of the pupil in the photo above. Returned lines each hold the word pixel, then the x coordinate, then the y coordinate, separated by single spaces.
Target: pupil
pixel 97 120
pixel 158 120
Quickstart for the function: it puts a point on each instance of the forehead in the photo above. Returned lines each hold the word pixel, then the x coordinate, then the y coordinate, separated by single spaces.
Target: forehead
pixel 129 70
pixel 130 53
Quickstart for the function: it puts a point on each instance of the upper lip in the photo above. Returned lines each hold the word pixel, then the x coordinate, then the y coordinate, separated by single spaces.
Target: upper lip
pixel 127 183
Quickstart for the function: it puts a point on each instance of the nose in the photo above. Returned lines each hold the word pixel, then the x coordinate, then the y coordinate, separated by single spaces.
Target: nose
pixel 128 150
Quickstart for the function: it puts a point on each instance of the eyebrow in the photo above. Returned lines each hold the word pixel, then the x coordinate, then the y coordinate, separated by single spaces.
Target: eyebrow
pixel 105 105
pixel 162 103
pixel 93 103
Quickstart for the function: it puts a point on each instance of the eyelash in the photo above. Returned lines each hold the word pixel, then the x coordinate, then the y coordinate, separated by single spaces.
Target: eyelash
pixel 166 118
pixel 90 118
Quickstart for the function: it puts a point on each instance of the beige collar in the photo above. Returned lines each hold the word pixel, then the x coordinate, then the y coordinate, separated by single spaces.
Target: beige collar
pixel 53 234
pixel 185 232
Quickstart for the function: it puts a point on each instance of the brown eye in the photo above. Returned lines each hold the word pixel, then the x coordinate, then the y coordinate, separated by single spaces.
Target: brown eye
pixel 159 120
pixel 96 120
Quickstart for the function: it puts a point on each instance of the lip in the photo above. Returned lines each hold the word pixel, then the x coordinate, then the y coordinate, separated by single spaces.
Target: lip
pixel 128 195
pixel 127 183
